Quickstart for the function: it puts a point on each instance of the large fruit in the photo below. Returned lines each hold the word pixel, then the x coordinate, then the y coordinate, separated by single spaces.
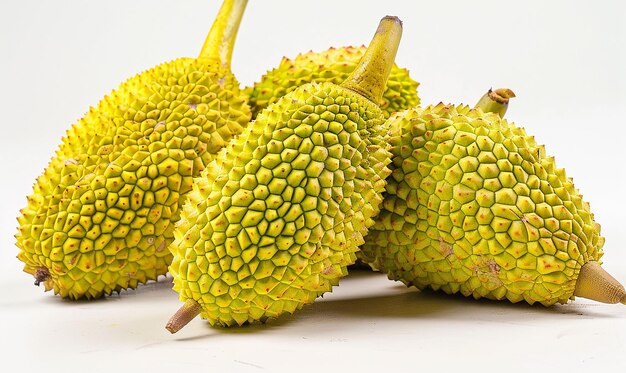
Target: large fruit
pixel 273 224
pixel 475 206
pixel 333 65
pixel 102 213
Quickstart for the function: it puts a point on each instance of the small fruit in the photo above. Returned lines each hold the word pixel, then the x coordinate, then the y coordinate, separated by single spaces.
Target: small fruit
pixel 273 223
pixel 333 65
pixel 474 206
pixel 101 215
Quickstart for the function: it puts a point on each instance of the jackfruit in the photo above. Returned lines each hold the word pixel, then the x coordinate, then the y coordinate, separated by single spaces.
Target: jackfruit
pixel 333 65
pixel 273 223
pixel 474 206
pixel 101 215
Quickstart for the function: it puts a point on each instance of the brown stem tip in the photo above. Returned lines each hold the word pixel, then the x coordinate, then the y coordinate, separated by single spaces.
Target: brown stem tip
pixel 41 275
pixel 501 95
pixel 495 101
pixel 596 284
pixel 183 316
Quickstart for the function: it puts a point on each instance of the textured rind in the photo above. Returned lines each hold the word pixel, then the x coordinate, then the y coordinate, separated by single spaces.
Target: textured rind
pixel 473 206
pixel 273 223
pixel 333 65
pixel 101 214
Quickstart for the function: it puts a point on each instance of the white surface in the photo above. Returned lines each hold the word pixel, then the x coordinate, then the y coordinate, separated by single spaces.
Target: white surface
pixel 367 324
pixel 564 59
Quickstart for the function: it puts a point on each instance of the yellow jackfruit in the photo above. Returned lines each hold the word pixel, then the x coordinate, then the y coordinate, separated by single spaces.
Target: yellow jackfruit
pixel 474 206
pixel 333 65
pixel 102 214
pixel 273 223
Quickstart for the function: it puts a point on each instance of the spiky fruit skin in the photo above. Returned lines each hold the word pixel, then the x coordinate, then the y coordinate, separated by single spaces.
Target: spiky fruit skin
pixel 473 206
pixel 102 213
pixel 273 223
pixel 333 65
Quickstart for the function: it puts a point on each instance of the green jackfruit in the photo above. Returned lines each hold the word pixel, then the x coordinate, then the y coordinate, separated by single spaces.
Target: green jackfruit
pixel 101 215
pixel 273 223
pixel 474 206
pixel 333 65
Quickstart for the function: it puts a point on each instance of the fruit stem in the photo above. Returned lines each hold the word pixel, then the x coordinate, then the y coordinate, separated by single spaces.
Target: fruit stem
pixel 220 41
pixel 41 275
pixel 596 284
pixel 495 101
pixel 183 316
pixel 369 78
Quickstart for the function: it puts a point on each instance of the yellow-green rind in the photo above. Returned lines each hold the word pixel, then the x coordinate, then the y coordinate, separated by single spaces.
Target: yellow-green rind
pixel 101 214
pixel 474 206
pixel 273 223
pixel 333 65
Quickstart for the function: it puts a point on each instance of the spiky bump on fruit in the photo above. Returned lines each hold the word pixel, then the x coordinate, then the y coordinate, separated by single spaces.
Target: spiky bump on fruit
pixel 273 224
pixel 102 213
pixel 333 65
pixel 475 206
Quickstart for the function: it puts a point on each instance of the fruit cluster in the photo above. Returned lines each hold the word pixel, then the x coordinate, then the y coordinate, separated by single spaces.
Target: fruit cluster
pixel 257 200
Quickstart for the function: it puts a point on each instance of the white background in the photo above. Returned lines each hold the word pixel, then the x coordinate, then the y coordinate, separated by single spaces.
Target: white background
pixel 566 60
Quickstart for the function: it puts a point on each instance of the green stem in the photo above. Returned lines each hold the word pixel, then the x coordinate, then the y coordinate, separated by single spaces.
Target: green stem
pixel 220 41
pixel 495 101
pixel 369 78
